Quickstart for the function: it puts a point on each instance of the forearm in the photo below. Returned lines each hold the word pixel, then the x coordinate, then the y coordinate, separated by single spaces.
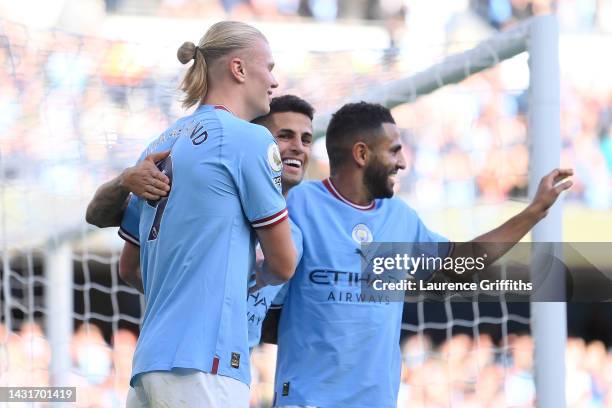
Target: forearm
pixel 135 280
pixel 494 244
pixel 265 277
pixel 501 239
pixel 106 207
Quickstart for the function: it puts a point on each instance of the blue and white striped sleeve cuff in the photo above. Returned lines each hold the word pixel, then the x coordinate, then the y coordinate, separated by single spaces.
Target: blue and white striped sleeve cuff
pixel 126 236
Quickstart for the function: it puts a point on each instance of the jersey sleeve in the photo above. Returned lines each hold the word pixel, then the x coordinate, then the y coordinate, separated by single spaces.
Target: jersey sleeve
pixel 424 234
pixel 259 181
pixel 129 229
pixel 425 242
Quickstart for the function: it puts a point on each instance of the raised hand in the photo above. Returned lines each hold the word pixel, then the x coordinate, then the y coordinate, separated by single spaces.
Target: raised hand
pixel 550 188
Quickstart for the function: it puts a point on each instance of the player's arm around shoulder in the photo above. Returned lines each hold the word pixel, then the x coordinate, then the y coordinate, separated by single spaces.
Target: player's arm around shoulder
pixel 144 179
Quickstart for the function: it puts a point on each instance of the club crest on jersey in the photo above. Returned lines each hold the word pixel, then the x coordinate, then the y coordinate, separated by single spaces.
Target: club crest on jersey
pixel 274 157
pixel 362 234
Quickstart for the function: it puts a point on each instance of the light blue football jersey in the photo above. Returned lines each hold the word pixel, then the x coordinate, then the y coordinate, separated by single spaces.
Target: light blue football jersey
pixel 336 347
pixel 260 301
pixel 197 245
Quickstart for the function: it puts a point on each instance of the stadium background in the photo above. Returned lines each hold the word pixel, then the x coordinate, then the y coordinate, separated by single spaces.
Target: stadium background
pixel 86 84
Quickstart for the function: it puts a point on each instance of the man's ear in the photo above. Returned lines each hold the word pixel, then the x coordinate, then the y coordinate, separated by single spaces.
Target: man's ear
pixel 361 154
pixel 238 69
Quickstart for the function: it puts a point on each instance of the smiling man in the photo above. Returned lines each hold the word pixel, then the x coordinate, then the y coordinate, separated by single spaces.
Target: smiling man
pixel 290 122
pixel 336 347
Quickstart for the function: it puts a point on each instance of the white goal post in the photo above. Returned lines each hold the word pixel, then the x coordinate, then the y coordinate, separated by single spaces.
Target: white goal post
pixel 539 37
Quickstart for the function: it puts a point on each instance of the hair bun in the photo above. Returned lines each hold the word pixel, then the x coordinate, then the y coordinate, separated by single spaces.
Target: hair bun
pixel 186 52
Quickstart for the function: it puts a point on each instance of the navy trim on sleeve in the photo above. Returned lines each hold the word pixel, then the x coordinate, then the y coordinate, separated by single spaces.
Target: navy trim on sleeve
pixel 126 236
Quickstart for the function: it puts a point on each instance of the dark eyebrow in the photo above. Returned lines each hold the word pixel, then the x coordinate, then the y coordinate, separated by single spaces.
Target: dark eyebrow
pixel 286 131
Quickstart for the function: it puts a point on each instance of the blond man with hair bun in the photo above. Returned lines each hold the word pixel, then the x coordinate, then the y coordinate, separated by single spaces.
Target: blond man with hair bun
pixel 195 241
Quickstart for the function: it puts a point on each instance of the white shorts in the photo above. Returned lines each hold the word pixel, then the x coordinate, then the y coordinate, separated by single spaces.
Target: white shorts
pixel 187 388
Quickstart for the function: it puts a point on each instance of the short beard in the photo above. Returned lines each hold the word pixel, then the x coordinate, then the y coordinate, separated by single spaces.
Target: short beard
pixel 375 178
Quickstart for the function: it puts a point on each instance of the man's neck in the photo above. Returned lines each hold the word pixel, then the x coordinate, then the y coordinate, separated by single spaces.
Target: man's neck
pixel 230 101
pixel 350 186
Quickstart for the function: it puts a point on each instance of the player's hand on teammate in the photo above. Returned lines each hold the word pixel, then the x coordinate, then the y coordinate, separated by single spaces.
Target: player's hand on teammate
pixel 550 188
pixel 145 180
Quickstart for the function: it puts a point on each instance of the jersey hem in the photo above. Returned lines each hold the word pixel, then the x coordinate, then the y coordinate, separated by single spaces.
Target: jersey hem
pixel 293 402
pixel 178 364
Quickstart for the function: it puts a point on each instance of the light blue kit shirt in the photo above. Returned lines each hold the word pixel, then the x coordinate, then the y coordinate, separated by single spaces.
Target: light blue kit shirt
pixel 197 246
pixel 337 348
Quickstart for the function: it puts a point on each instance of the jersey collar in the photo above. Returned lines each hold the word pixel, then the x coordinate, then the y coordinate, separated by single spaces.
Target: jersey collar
pixel 223 107
pixel 220 107
pixel 332 189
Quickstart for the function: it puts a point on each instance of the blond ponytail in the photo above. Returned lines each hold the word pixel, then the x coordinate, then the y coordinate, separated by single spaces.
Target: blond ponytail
pixel 194 83
pixel 220 40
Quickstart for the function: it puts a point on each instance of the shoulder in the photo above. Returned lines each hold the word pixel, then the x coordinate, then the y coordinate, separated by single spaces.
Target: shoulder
pixel 258 135
pixel 248 137
pixel 303 190
pixel 166 140
pixel 304 199
pixel 399 207
pixel 254 132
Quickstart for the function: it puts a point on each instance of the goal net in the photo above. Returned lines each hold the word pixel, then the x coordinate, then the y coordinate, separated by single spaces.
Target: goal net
pixel 479 127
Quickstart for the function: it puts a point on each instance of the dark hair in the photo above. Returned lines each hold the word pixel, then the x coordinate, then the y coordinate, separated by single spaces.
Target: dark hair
pixel 287 103
pixel 352 123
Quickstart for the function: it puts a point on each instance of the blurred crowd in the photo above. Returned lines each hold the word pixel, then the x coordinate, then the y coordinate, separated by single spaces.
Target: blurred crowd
pixel 100 371
pixel 78 109
pixel 468 372
pixel 580 15
pixel 460 372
